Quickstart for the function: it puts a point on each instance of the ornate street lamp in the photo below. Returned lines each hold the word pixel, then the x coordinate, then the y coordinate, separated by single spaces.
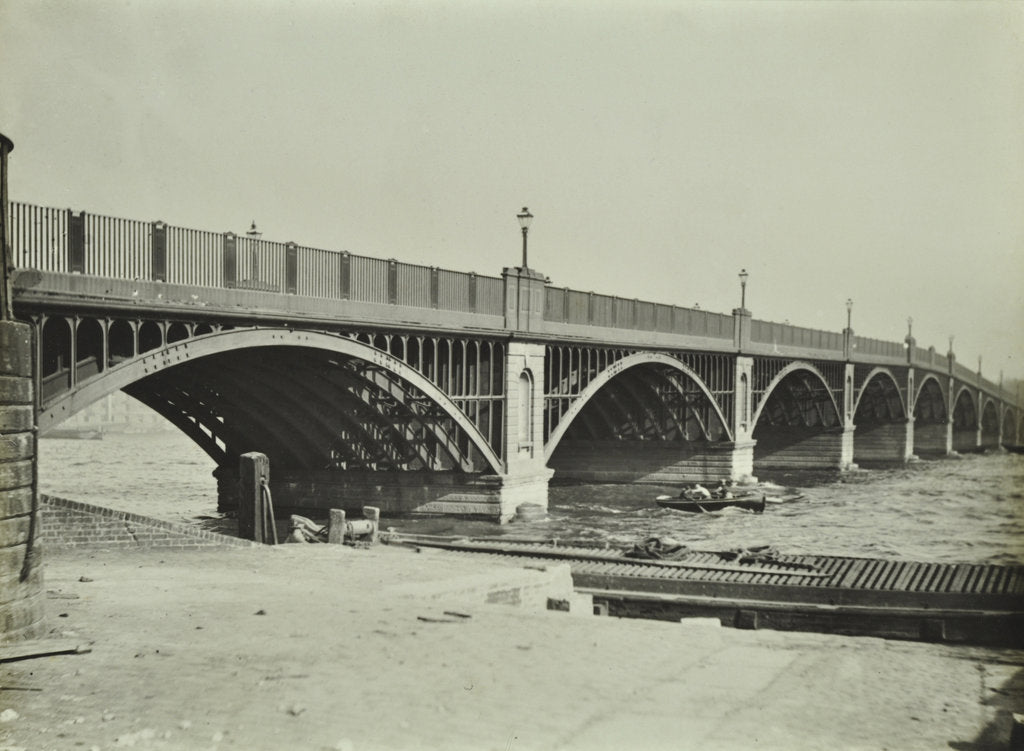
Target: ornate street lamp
pixel 910 327
pixel 849 311
pixel 743 289
pixel 524 217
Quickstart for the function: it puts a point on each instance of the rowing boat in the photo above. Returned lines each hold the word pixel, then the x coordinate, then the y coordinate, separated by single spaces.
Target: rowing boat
pixel 748 502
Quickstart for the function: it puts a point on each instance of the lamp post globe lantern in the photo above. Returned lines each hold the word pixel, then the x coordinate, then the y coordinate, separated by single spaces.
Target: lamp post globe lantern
pixel 743 289
pixel 524 217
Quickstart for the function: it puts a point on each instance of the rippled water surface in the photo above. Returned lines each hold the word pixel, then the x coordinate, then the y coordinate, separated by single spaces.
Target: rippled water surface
pixel 968 509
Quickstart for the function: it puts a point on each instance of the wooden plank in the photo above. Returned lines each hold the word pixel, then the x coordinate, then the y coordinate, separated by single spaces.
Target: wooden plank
pixel 883 571
pixel 892 575
pixel 993 585
pixel 864 574
pixel 851 572
pixel 909 569
pixel 945 578
pixel 977 572
pixel 1012 581
pixel 44 648
pixel 935 571
pixel 957 585
pixel 920 577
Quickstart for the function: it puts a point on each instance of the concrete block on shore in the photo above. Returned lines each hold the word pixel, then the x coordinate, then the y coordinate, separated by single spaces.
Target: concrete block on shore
pixel 526 588
pixel 697 622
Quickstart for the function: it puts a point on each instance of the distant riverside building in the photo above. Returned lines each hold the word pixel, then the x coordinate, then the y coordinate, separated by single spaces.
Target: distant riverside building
pixel 117 412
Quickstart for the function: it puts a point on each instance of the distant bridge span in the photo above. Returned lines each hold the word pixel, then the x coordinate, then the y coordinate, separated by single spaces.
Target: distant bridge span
pixel 433 391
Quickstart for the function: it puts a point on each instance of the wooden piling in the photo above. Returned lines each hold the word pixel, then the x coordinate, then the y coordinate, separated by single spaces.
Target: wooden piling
pixel 253 468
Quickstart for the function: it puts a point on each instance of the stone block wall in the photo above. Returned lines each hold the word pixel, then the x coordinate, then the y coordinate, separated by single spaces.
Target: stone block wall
pixel 880 444
pixel 780 448
pixel 21 575
pixel 71 524
pixel 645 462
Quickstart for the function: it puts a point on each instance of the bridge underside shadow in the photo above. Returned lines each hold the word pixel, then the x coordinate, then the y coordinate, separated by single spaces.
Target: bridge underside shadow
pixel 650 424
pixel 340 430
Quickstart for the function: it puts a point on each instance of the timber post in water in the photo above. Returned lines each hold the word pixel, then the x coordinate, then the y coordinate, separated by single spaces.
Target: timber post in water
pixel 21 574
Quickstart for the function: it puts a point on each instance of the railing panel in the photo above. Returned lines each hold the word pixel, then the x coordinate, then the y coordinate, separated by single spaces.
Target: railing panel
pixel 195 257
pixel 369 279
pixel 554 302
pixel 768 332
pixel 453 291
pixel 692 322
pixel 118 248
pixel 866 347
pixel 490 295
pixel 964 373
pixel 260 264
pixel 719 325
pixel 662 317
pixel 38 237
pixel 579 307
pixel 604 310
pixel 623 313
pixel 413 285
pixel 319 273
pixel 645 319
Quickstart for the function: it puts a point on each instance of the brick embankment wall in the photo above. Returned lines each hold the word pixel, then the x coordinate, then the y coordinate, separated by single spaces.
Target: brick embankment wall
pixel 71 524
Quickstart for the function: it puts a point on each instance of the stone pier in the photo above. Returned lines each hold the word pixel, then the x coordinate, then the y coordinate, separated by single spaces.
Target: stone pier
pixel 21 573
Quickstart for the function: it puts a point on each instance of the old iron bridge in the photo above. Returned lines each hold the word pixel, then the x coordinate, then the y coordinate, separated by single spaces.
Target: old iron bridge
pixel 427 390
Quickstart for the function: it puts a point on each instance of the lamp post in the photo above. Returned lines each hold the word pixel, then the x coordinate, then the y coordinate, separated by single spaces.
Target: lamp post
pixel 849 312
pixel 524 217
pixel 910 327
pixel 743 289
pixel 254 234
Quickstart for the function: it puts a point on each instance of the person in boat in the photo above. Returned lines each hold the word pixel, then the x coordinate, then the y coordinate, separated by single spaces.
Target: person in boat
pixel 721 490
pixel 698 493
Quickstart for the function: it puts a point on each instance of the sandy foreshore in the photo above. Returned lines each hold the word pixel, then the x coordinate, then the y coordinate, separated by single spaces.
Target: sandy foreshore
pixel 329 647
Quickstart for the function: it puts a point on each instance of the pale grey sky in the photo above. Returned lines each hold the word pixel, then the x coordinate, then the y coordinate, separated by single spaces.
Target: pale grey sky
pixel 841 149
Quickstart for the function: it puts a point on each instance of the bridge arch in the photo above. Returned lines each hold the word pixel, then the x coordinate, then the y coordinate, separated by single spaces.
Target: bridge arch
pixel 1009 427
pixel 990 424
pixel 965 420
pixel 616 369
pixel 880 417
pixel 428 401
pixel 798 422
pixel 819 385
pixel 931 417
pixel 881 391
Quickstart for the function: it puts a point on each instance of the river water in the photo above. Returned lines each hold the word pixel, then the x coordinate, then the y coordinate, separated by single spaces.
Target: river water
pixel 968 509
